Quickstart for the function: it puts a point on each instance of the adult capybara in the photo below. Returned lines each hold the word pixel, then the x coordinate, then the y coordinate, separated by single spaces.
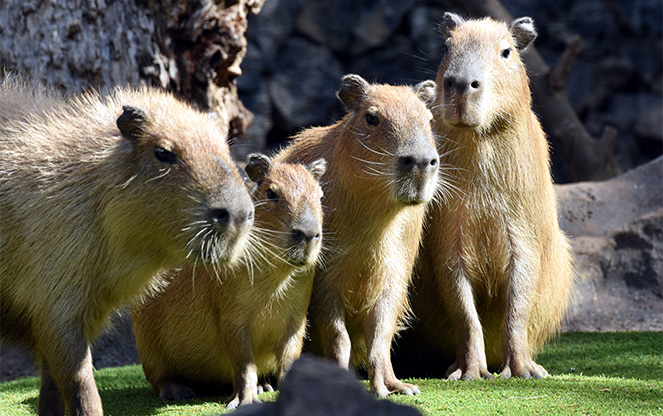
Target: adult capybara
pixel 382 167
pixel 496 271
pixel 97 194
pixel 252 320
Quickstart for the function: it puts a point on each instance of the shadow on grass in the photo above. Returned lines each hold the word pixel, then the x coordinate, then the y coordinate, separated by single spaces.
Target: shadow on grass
pixel 622 354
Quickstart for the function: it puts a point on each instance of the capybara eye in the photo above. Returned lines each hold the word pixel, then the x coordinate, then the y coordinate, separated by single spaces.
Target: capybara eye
pixel 445 49
pixel 164 155
pixel 506 53
pixel 272 195
pixel 372 120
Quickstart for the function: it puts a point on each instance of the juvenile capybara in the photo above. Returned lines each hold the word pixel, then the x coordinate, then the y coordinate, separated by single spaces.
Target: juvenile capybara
pixel 382 167
pixel 252 320
pixel 97 194
pixel 496 272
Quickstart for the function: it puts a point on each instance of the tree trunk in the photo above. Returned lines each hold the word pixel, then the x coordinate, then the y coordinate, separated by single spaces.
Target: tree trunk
pixel 193 48
pixel 586 157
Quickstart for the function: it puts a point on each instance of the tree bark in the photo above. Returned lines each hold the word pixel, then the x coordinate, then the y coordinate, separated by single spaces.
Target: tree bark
pixel 587 158
pixel 193 48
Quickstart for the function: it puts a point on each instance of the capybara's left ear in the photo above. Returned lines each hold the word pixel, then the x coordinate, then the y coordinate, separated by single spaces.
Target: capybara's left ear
pixel 523 31
pixel 449 22
pixel 132 122
pixel 258 167
pixel 318 168
pixel 425 90
pixel 352 92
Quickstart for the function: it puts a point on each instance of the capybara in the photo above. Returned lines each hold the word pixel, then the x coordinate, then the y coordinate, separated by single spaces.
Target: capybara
pixel 252 320
pixel 97 194
pixel 496 272
pixel 382 170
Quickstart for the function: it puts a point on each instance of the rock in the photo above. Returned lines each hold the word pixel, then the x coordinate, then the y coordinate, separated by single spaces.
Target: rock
pixel 317 387
pixel 616 229
pixel 304 94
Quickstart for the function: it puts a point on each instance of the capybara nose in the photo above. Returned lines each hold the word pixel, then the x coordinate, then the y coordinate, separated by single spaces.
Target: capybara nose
pixel 422 162
pixel 461 85
pixel 220 217
pixel 305 236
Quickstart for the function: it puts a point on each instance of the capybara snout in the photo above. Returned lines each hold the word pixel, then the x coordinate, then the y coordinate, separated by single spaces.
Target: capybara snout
pixel 290 204
pixel 215 209
pixel 394 140
pixel 416 171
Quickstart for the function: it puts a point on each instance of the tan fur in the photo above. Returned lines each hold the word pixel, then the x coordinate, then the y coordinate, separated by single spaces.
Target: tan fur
pixel 252 320
pixel 496 271
pixel 89 217
pixel 374 212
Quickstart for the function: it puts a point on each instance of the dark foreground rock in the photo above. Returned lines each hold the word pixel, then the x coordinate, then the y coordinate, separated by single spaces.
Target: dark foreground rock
pixel 616 228
pixel 316 387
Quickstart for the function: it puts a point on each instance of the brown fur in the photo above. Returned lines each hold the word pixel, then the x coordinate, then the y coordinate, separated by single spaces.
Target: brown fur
pixel 382 169
pixel 496 271
pixel 89 216
pixel 252 320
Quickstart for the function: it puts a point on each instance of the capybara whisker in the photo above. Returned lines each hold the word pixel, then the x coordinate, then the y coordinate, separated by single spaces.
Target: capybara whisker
pixel 496 271
pixel 94 208
pixel 383 162
pixel 251 320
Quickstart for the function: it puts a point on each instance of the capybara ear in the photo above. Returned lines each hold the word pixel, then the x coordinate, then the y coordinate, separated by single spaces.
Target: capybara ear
pixel 352 92
pixel 425 90
pixel 449 22
pixel 258 167
pixel 132 122
pixel 318 168
pixel 523 31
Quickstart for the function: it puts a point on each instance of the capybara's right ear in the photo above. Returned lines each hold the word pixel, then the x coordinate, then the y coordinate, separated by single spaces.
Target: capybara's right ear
pixel 352 92
pixel 132 122
pixel 425 90
pixel 318 168
pixel 449 22
pixel 258 167
pixel 523 31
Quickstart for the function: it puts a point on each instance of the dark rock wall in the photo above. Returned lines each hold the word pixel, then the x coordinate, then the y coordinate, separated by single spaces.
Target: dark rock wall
pixel 298 50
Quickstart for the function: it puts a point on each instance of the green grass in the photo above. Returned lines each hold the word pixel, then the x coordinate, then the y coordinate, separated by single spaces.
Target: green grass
pixel 591 374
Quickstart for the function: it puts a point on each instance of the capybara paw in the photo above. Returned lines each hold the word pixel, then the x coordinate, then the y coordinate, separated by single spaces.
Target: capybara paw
pixel 171 390
pixel 530 370
pixel 265 388
pixel 236 401
pixel 403 388
pixel 397 387
pixel 467 373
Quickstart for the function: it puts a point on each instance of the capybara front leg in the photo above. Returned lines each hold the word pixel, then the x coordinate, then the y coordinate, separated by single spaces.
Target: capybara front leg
pixel 379 329
pixel 470 361
pixel 50 397
pixel 70 368
pixel 328 323
pixel 516 358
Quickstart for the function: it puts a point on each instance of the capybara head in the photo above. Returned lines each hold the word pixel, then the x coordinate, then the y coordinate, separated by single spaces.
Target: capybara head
pixel 481 78
pixel 288 208
pixel 387 141
pixel 189 187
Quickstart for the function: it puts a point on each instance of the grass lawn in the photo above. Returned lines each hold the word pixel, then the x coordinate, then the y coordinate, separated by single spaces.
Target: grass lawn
pixel 591 374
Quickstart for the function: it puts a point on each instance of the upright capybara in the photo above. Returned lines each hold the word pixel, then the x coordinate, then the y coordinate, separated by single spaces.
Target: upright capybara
pixel 496 272
pixel 251 321
pixel 97 194
pixel 382 167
